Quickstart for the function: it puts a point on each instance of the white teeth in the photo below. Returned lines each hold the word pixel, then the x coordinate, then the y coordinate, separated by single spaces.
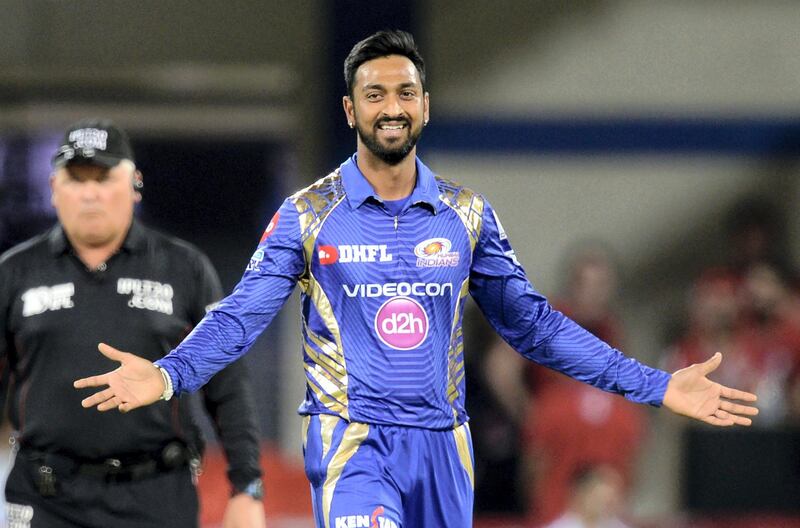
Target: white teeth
pixel 392 127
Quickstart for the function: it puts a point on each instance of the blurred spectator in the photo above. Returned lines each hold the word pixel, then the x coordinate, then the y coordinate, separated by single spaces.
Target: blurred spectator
pixel 756 234
pixel 596 501
pixel 755 321
pixel 749 309
pixel 565 424
pixel 570 426
pixel 771 320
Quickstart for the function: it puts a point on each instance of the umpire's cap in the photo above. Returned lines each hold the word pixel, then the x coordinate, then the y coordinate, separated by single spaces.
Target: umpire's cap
pixel 93 141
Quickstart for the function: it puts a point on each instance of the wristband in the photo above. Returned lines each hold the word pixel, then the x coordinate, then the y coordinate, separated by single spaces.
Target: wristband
pixel 255 489
pixel 168 391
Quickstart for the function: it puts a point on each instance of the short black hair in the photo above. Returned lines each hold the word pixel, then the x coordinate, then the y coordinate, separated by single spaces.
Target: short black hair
pixel 382 44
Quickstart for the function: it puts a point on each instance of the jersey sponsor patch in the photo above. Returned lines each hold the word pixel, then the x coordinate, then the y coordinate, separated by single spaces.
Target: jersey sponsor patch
pixel 147 295
pixel 270 227
pixel 377 519
pixel 43 299
pixel 401 323
pixel 327 255
pixel 404 289
pixel 364 253
pixel 435 253
pixel 255 260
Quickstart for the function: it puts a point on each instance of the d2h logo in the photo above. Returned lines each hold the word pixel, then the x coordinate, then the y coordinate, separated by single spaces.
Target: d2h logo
pixel 401 323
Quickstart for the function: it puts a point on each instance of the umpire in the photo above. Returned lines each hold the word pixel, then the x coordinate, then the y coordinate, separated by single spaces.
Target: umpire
pixel 102 275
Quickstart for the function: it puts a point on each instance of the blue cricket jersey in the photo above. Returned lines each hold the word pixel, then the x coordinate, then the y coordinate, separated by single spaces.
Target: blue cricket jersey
pixel 382 303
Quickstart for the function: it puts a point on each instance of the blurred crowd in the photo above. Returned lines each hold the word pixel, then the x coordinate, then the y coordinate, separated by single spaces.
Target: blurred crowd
pixel 564 455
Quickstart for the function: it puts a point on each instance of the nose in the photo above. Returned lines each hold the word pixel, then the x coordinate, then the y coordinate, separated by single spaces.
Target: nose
pixel 392 108
pixel 89 190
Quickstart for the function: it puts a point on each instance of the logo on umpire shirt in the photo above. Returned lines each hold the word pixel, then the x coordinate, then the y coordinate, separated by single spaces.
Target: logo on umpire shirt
pixel 47 299
pixel 147 294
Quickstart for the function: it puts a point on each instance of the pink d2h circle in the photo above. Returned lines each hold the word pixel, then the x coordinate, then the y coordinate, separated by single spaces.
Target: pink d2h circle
pixel 401 323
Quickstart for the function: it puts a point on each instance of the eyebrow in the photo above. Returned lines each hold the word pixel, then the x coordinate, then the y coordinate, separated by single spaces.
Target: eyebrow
pixel 382 87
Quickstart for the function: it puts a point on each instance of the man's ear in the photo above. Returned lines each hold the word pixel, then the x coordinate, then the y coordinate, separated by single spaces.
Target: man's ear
pixel 349 112
pixel 138 185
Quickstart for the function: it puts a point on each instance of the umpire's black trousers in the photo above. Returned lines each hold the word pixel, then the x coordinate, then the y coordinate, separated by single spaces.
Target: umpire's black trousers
pixel 163 499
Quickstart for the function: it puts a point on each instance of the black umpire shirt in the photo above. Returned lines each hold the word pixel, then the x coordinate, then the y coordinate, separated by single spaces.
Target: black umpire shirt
pixel 144 299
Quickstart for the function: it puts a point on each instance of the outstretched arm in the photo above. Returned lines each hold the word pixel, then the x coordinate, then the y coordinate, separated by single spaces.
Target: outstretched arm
pixel 136 383
pixel 692 394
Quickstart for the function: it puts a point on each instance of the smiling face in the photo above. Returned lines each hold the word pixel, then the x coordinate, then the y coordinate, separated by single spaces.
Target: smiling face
pixel 95 204
pixel 388 108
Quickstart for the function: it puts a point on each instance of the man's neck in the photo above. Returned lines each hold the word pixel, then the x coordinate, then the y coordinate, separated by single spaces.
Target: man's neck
pixel 93 255
pixel 391 182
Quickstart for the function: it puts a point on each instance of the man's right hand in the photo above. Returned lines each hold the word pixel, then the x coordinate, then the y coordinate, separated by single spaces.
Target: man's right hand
pixel 136 383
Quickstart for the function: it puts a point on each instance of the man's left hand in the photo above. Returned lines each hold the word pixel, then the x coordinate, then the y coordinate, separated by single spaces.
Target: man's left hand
pixel 692 394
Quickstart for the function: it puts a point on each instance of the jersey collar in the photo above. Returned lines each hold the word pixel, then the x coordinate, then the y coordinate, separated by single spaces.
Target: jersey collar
pixel 134 241
pixel 359 190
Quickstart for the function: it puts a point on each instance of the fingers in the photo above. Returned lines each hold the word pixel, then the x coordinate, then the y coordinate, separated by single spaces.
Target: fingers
pixel 110 404
pixel 111 352
pixel 734 394
pixel 735 408
pixel 710 365
pixel 98 398
pixel 718 422
pixel 91 381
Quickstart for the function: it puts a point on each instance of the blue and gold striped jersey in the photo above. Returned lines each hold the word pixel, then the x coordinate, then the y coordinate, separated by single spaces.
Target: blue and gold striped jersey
pixel 382 303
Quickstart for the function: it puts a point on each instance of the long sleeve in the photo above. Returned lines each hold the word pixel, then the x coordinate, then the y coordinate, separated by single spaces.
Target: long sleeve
pixel 527 322
pixel 228 396
pixel 228 330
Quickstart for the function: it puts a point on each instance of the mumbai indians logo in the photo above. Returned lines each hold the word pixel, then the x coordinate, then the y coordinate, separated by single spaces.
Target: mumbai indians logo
pixel 401 323
pixel 435 253
pixel 376 520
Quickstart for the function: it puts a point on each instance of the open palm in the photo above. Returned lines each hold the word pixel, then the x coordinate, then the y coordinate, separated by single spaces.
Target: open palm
pixel 690 393
pixel 136 383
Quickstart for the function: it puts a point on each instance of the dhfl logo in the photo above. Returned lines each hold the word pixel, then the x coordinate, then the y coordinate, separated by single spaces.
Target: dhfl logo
pixel 401 323
pixel 346 253
pixel 376 520
pixel 270 227
pixel 327 254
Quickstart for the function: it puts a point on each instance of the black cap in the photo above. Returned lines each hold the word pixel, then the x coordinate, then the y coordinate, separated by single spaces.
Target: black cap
pixel 93 141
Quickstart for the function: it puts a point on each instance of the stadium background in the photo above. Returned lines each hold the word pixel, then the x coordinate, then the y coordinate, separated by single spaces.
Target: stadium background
pixel 639 123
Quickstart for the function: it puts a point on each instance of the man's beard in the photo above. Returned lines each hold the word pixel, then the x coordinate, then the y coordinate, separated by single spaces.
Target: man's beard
pixel 389 154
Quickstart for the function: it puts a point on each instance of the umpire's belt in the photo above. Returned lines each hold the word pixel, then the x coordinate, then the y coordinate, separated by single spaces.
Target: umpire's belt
pixel 126 468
